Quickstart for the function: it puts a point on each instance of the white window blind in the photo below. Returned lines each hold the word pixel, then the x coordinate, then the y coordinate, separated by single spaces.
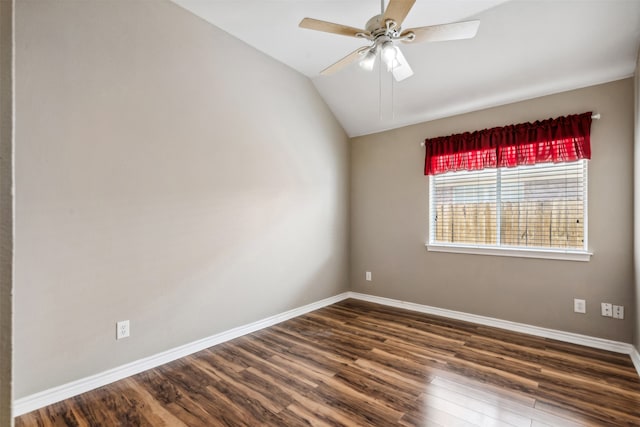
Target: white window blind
pixel 542 206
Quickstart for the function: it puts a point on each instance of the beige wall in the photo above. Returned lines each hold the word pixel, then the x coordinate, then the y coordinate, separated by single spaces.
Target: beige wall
pixel 389 227
pixel 636 251
pixel 168 174
pixel 6 207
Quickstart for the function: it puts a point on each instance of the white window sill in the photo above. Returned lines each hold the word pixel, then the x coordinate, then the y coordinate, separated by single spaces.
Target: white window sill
pixel 574 255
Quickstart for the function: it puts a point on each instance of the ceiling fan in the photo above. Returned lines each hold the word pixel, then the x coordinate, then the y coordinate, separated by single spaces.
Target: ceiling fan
pixel 383 31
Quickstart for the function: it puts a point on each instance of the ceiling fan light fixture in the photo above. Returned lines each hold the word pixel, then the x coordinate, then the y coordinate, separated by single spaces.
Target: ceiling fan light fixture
pixel 389 54
pixel 369 60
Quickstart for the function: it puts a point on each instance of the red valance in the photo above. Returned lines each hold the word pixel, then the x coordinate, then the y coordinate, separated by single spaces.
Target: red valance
pixel 563 139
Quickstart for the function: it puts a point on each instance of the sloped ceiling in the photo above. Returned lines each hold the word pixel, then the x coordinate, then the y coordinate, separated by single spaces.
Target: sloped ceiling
pixel 524 49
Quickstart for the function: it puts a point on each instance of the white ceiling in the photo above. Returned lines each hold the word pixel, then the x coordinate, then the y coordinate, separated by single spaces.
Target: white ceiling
pixel 523 49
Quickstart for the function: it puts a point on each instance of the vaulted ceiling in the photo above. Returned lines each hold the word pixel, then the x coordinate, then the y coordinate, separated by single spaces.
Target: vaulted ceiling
pixel 523 49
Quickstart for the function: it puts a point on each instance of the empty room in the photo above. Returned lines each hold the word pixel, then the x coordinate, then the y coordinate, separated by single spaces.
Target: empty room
pixel 319 213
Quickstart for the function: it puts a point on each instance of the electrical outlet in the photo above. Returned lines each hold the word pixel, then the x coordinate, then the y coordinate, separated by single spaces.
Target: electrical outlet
pixel 618 311
pixel 122 329
pixel 367 276
pixel 579 305
pixel 607 309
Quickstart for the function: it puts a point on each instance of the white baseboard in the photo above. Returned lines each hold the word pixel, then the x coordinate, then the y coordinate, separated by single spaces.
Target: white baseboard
pixel 603 344
pixel 65 391
pixel 635 358
pixel 47 397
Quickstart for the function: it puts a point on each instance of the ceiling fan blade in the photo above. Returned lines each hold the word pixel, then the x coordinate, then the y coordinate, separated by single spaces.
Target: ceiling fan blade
pixel 345 61
pixel 397 10
pixel 329 27
pixel 444 32
pixel 401 70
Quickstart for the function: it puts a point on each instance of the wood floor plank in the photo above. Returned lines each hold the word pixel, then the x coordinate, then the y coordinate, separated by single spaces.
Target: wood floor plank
pixel 152 410
pixel 313 364
pixel 617 375
pixel 289 417
pixel 436 393
pixel 493 375
pixel 357 363
pixel 463 411
pixel 358 409
pixel 427 415
pixel 398 395
pixel 174 399
pixel 581 400
pixel 518 368
pixel 499 347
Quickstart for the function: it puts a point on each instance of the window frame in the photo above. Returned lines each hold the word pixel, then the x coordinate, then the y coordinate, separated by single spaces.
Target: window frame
pixel 567 254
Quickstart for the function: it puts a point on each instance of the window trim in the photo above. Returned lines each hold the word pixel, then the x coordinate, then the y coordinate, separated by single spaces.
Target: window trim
pixel 583 255
pixel 511 251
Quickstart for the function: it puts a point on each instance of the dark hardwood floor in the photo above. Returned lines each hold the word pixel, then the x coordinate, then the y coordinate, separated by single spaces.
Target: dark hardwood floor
pixel 356 363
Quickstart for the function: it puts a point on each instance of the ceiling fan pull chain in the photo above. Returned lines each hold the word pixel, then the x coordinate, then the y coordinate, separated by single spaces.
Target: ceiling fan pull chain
pixel 393 93
pixel 380 89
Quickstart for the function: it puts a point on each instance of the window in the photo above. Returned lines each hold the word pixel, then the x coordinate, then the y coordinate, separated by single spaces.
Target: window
pixel 516 190
pixel 540 207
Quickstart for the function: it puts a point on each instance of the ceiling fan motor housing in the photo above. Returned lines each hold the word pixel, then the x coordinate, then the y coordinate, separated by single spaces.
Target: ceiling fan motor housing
pixel 377 28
